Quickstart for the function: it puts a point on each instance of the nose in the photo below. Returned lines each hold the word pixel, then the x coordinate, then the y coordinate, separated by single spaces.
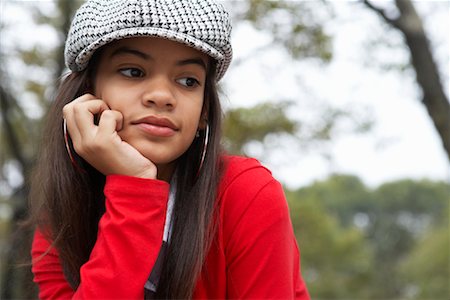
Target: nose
pixel 159 92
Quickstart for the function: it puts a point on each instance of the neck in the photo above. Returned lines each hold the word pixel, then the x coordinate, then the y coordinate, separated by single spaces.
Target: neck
pixel 165 171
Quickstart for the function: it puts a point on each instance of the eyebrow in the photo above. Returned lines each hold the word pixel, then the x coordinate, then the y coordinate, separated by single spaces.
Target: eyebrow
pixel 184 62
pixel 126 50
pixel 194 61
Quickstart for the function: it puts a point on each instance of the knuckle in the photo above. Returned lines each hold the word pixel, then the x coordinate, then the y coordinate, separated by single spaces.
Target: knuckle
pixel 107 114
pixel 88 96
pixel 84 97
pixel 78 108
pixel 110 115
pixel 66 109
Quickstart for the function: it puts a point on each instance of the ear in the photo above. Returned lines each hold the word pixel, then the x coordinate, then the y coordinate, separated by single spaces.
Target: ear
pixel 203 120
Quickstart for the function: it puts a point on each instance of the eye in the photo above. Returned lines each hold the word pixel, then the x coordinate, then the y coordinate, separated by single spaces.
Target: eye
pixel 131 72
pixel 188 82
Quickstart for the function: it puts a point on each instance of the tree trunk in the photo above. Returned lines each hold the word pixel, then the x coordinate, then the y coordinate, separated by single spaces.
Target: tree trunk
pixel 427 74
pixel 17 278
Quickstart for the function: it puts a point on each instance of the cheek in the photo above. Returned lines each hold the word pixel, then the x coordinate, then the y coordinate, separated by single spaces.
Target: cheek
pixel 108 90
pixel 194 119
pixel 116 98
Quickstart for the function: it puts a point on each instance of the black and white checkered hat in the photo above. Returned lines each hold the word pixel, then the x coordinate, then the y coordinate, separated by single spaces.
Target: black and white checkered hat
pixel 201 24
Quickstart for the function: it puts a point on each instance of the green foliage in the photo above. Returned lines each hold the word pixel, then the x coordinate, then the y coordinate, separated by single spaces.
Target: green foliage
pixel 357 243
pixel 294 24
pixel 427 268
pixel 20 132
pixel 331 120
pixel 342 196
pixel 416 197
pixel 404 210
pixel 393 241
pixel 335 259
pixel 244 125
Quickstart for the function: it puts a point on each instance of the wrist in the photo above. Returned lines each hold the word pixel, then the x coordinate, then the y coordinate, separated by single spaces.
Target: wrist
pixel 149 173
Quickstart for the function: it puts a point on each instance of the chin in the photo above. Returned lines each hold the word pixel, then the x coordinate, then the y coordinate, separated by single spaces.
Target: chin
pixel 159 159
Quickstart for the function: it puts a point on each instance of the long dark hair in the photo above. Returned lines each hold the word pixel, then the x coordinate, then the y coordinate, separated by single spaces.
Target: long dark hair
pixel 66 203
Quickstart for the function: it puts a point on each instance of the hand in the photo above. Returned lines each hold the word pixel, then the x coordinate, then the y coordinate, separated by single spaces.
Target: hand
pixel 100 145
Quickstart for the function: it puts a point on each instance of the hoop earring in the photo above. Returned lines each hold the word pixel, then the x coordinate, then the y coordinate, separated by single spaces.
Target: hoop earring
pixel 205 147
pixel 68 148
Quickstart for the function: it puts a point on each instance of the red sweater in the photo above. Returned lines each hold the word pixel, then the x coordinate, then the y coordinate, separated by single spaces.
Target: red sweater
pixel 256 255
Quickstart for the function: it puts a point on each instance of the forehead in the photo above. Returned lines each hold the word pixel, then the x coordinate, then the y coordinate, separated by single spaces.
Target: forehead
pixel 155 45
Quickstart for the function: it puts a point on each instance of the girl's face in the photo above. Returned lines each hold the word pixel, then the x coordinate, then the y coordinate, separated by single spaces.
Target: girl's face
pixel 158 86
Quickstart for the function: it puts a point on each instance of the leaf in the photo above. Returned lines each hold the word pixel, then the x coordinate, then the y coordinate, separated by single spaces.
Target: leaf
pixel 244 125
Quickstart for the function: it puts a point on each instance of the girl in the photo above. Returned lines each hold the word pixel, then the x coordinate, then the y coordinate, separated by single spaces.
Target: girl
pixel 132 196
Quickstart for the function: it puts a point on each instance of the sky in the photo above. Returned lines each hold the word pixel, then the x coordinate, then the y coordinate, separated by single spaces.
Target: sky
pixel 402 143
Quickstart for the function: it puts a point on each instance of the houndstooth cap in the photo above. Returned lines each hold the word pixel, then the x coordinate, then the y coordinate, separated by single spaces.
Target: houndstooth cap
pixel 201 24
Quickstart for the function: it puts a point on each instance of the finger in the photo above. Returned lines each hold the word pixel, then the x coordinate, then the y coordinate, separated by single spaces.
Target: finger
pixel 69 106
pixel 68 113
pixel 79 116
pixel 83 98
pixel 71 127
pixel 84 115
pixel 110 121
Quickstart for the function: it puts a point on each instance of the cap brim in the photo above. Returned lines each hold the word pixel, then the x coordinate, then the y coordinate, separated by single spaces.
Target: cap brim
pixel 85 55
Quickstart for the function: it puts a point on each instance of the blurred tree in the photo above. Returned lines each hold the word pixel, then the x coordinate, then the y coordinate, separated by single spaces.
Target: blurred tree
pixel 393 220
pixel 21 133
pixel 296 25
pixel 243 125
pixel 426 269
pixel 409 23
pixel 336 260
pixel 405 210
pixel 343 196
pixel 295 28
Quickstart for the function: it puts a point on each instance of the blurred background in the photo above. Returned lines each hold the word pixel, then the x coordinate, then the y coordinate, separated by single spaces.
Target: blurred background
pixel 345 101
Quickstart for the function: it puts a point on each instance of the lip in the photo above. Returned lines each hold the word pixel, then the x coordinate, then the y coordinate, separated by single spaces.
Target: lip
pixel 157 126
